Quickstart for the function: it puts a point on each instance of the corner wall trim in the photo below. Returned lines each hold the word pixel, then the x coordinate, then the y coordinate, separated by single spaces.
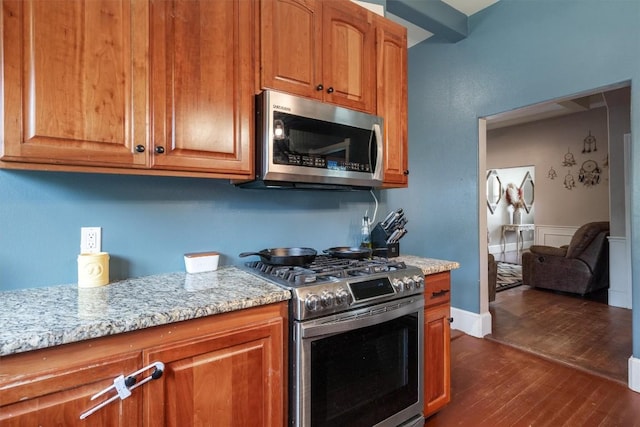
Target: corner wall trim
pixel 634 374
pixel 474 324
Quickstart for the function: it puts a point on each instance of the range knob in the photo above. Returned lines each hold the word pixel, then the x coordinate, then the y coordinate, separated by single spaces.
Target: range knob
pixel 398 285
pixel 342 296
pixel 327 299
pixel 312 302
pixel 409 284
pixel 419 281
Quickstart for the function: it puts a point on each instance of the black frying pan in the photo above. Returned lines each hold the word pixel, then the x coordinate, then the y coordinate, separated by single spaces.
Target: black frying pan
pixel 285 256
pixel 349 252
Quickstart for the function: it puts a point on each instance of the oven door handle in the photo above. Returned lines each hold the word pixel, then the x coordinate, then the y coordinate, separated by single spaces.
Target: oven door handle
pixel 362 319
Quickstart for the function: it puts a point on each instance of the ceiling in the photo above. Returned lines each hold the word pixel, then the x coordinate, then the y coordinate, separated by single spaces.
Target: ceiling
pixel 416 34
pixel 464 9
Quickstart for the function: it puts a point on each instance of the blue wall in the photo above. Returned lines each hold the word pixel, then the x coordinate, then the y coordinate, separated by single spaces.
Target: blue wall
pixel 518 53
pixel 148 223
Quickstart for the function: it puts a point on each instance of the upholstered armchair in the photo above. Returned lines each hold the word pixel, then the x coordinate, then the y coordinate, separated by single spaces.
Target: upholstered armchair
pixel 580 267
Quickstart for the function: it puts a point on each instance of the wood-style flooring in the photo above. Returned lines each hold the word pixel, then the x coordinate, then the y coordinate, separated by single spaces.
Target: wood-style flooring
pixel 578 331
pixel 493 384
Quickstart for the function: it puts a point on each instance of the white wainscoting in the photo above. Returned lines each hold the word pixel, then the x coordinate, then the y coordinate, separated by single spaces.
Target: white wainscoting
pixel 619 272
pixel 554 235
pixel 634 374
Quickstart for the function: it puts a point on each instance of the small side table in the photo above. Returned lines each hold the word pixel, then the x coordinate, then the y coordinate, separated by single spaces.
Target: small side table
pixel 518 229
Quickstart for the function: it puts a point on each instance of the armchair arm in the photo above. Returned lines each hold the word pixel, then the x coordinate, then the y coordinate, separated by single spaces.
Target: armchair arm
pixel 548 250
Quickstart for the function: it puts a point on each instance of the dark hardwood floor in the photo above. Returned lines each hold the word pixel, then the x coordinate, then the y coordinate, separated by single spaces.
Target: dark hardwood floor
pixel 577 331
pixel 493 384
pixel 583 332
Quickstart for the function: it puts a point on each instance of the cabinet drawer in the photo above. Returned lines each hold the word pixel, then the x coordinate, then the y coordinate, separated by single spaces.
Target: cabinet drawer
pixel 437 289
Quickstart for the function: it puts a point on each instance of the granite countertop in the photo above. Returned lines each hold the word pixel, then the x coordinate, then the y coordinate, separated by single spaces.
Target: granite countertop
pixel 44 317
pixel 38 318
pixel 429 265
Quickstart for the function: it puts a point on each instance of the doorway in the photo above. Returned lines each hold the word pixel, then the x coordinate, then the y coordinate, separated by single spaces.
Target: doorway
pixel 613 103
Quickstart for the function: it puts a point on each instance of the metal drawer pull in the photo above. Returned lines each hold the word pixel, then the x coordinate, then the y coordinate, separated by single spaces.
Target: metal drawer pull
pixel 123 386
pixel 439 293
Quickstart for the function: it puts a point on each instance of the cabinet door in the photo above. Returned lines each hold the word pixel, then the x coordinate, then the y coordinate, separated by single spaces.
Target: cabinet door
pixel 202 86
pixel 74 82
pixel 57 397
pixel 232 378
pixel 391 48
pixel 437 337
pixel 291 50
pixel 348 63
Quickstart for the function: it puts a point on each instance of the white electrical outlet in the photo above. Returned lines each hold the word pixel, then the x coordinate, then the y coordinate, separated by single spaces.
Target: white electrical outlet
pixel 90 240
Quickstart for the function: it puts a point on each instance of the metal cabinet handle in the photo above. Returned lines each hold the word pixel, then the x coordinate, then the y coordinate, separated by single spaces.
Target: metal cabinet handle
pixel 123 386
pixel 439 293
pixel 159 149
pixel 406 172
pixel 330 90
pixel 140 148
pixel 319 87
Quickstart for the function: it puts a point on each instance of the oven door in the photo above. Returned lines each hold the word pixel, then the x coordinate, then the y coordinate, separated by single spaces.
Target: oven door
pixel 360 368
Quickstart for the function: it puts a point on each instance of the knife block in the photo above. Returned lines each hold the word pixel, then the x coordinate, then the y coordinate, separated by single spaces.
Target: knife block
pixel 379 242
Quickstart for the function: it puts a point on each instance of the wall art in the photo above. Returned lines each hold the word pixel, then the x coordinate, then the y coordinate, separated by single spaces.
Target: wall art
pixel 588 142
pixel 589 173
pixel 552 174
pixel 569 181
pixel 569 160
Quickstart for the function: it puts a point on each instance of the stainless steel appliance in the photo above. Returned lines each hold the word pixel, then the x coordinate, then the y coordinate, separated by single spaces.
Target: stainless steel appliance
pixel 356 341
pixel 303 143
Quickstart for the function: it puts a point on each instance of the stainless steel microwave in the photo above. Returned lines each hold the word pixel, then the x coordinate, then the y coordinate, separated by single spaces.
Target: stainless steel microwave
pixel 307 144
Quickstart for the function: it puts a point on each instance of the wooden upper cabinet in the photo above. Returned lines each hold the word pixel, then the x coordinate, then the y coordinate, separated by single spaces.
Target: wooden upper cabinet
pixel 348 57
pixel 391 46
pixel 202 85
pixel 74 81
pixel 319 49
pixel 291 58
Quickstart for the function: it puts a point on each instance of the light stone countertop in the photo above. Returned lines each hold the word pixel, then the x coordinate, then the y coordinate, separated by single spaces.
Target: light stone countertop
pixel 37 318
pixel 429 265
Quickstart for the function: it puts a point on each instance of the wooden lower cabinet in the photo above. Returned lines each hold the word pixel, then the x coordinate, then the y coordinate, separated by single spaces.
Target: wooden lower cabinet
pixel 49 394
pixel 223 379
pixel 437 342
pixel 227 369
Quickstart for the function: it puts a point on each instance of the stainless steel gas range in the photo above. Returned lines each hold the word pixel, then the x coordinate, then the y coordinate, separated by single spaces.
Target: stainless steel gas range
pixel 356 341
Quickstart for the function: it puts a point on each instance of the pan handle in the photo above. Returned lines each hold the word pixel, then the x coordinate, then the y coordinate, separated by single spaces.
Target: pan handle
pixel 244 254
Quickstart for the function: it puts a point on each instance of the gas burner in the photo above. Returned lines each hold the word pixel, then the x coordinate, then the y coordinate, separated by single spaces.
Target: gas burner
pixel 326 268
pixel 332 285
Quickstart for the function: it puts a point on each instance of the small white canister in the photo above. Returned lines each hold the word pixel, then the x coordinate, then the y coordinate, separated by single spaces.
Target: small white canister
pixel 93 270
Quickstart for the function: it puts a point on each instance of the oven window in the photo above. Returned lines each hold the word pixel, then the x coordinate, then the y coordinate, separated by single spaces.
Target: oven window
pixel 362 377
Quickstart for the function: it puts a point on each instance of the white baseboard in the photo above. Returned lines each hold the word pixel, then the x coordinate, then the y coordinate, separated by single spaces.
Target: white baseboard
pixel 634 374
pixel 496 250
pixel 474 324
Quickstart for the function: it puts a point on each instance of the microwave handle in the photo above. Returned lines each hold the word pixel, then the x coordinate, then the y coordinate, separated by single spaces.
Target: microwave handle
pixel 377 132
